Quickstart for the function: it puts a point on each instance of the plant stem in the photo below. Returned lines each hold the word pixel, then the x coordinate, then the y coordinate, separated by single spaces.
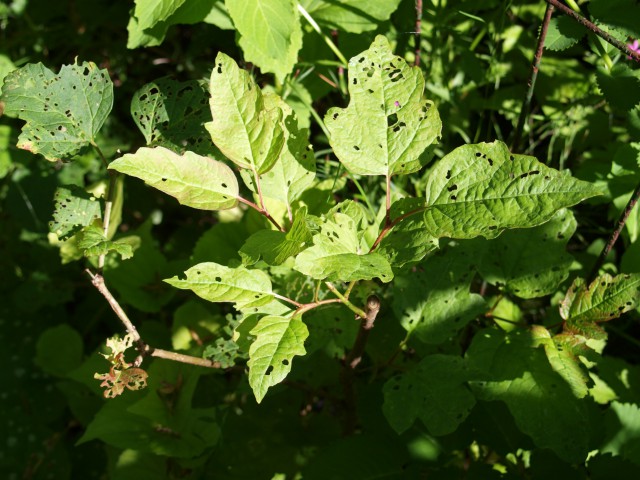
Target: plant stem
pixel 352 360
pixel 287 299
pixel 145 350
pixel 387 202
pixel 108 207
pixel 383 233
pixel 310 306
pixel 358 311
pixel 417 32
pixel 594 28
pixel 326 39
pixel 614 235
pixel 261 211
pixel 526 103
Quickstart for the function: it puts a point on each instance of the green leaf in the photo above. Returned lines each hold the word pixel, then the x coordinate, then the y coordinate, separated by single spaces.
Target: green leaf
pixel 563 32
pixel 434 302
pixel 354 16
pixel 172 114
pixel 433 391
pixel 620 86
pixel 604 299
pixel 270 33
pixel 5 156
pixel 194 180
pixel 529 263
pixel 59 350
pixel 338 254
pixel 63 112
pixel 278 340
pixel 482 189
pixel 74 208
pixel 408 242
pixel 400 123
pixel 245 131
pixel 93 243
pixel 275 247
pixel 217 283
pixel 563 360
pixel 623 431
pixel 510 369
pixel 295 170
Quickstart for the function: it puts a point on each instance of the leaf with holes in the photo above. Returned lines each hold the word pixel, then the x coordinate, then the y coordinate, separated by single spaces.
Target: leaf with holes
pixel 217 283
pixel 355 16
pixel 528 263
pixel 482 189
pixel 172 114
pixel 604 299
pixel 194 180
pixel 270 33
pixel 295 171
pixel 338 254
pixel 74 208
pixel 63 112
pixel 245 131
pixel 407 242
pixel 433 391
pixel 434 302
pixel 278 340
pixel 400 123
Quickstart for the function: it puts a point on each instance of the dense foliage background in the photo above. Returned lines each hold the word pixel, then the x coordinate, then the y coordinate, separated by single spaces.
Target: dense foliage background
pixel 193 422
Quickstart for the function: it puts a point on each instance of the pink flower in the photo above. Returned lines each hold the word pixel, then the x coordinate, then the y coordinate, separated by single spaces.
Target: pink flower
pixel 635 46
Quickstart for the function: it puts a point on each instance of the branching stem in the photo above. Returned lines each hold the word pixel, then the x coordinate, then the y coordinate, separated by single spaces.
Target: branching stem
pixel 352 360
pixel 145 350
pixel 391 224
pixel 261 211
pixel 358 311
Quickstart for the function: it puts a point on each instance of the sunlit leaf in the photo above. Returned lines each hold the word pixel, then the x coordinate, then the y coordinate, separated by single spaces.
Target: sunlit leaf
pixel 74 208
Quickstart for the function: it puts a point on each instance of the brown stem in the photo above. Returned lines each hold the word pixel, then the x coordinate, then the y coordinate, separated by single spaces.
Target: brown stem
pixel 145 350
pixel 417 31
pixel 614 235
pixel 594 28
pixel 352 360
pixel 526 103
pixel 261 211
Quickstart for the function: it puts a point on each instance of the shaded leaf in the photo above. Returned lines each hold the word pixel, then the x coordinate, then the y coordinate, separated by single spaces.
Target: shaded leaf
pixel 482 190
pixel 270 33
pixel 400 124
pixel 563 32
pixel 74 208
pixel 172 114
pixel 354 16
pixel 194 180
pixel 93 243
pixel 278 340
pixel 528 263
pixel 217 283
pixel 242 128
pixel 434 302
pixel 433 391
pixel 620 86
pixel 63 112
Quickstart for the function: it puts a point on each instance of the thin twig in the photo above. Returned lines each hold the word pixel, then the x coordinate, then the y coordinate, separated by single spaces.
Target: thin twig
pixel 358 311
pixel 614 235
pixel 594 28
pixel 110 198
pixel 327 40
pixel 417 32
pixel 526 103
pixel 145 350
pixel 352 360
pixel 383 233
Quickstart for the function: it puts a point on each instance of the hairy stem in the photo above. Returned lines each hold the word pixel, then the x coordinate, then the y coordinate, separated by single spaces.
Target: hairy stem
pixel 417 32
pixel 614 235
pixel 352 360
pixel 145 350
pixel 526 103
